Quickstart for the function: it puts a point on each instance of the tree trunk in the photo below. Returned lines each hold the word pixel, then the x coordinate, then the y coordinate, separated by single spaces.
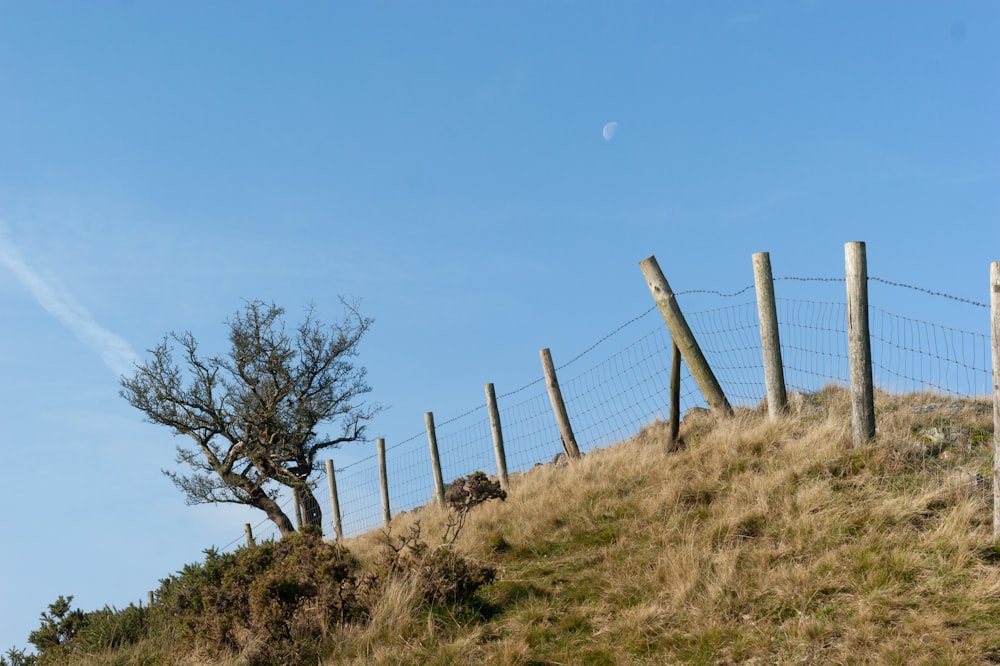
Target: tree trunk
pixel 260 500
pixel 312 514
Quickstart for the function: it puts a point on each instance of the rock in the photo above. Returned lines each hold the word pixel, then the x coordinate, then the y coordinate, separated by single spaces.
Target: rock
pixel 951 407
pixel 695 413
pixel 804 403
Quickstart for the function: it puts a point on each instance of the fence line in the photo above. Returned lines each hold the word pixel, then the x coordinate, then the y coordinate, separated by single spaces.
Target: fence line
pixel 617 394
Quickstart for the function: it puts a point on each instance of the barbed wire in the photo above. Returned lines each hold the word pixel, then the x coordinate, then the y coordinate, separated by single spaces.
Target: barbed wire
pixel 375 455
pixel 581 354
pixel 461 416
pixel 523 388
pixel 605 338
pixel 713 292
pixel 809 279
pixel 929 292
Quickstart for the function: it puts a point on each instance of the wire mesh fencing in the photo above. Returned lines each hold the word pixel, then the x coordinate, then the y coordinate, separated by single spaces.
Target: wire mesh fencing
pixel 937 378
pixel 941 373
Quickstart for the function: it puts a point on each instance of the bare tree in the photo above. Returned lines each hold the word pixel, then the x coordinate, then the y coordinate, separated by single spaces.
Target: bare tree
pixel 254 412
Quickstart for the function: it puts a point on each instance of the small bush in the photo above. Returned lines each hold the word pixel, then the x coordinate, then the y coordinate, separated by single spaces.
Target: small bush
pixel 65 631
pixel 462 495
pixel 444 577
pixel 279 597
pixel 60 625
pixel 441 575
pixel 110 628
pixel 15 657
pixel 469 491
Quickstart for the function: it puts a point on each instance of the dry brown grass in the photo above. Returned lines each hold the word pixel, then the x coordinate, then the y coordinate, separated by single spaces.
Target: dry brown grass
pixel 760 542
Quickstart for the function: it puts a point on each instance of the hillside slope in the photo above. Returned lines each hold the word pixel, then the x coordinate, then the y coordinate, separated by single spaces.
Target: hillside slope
pixel 758 542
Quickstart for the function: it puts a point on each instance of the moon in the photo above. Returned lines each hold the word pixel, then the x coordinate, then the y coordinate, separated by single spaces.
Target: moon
pixel 609 130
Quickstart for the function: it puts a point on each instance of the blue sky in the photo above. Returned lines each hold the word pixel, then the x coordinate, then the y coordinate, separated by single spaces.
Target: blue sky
pixel 162 163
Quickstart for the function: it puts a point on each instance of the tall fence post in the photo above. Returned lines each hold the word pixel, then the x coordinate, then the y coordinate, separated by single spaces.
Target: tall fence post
pixel 767 313
pixel 248 532
pixel 859 344
pixel 684 338
pixel 675 396
pixel 491 402
pixel 995 343
pixel 383 480
pixel 432 442
pixel 296 500
pixel 331 482
pixel 558 406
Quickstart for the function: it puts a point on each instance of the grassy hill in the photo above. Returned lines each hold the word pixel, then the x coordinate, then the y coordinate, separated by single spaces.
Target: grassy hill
pixel 758 542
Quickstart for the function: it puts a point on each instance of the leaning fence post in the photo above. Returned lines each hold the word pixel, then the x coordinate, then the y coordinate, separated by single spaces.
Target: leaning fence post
pixel 248 531
pixel 383 478
pixel 491 403
pixel 684 338
pixel 558 406
pixel 860 346
pixel 767 313
pixel 331 481
pixel 675 396
pixel 995 343
pixel 432 442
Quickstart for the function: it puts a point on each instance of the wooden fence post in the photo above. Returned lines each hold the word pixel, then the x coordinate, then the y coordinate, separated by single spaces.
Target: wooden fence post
pixel 684 338
pixel 767 313
pixel 150 597
pixel 558 406
pixel 859 344
pixel 248 531
pixel 432 442
pixel 383 478
pixel 675 396
pixel 331 482
pixel 297 501
pixel 491 403
pixel 995 343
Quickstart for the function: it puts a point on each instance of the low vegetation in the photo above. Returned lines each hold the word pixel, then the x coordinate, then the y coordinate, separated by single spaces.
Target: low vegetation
pixel 759 542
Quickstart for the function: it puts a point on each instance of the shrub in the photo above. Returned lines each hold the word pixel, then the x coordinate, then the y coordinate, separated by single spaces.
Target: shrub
pixel 276 596
pixel 272 603
pixel 462 495
pixel 469 491
pixel 15 657
pixel 441 575
pixel 65 631
pixel 60 626
pixel 444 577
pixel 111 628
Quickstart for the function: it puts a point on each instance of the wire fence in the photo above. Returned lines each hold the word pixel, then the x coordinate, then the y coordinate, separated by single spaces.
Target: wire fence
pixel 620 384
